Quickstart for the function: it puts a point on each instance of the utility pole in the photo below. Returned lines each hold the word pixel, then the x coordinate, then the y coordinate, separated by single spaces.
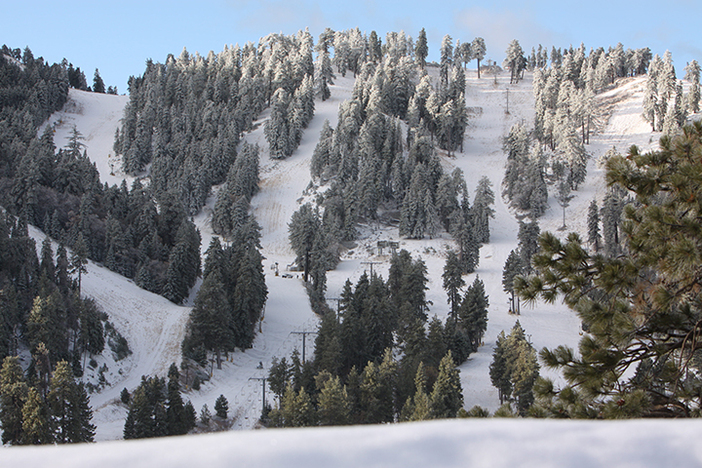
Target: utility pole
pixel 263 381
pixel 338 303
pixel 304 336
pixel 371 265
pixel 507 109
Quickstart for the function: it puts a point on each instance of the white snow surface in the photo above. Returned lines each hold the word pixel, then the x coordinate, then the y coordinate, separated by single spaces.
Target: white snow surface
pixel 154 327
pixel 497 443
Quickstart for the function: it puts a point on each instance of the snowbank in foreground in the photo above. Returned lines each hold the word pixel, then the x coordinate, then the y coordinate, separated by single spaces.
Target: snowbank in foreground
pixel 495 443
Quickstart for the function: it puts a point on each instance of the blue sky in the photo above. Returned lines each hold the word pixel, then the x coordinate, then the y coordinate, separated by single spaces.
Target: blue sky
pixel 118 36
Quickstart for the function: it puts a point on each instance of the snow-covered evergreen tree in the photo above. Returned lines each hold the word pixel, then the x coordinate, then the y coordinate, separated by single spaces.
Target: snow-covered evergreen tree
pixel 692 74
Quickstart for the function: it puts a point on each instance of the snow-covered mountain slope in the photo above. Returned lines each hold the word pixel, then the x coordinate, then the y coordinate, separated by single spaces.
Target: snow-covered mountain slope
pixel 96 116
pixel 154 327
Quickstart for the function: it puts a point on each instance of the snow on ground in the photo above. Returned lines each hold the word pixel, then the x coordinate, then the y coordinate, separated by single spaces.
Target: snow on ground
pixel 154 327
pixel 96 117
pixel 495 443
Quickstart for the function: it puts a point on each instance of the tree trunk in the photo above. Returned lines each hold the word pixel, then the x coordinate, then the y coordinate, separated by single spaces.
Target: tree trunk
pixel 307 264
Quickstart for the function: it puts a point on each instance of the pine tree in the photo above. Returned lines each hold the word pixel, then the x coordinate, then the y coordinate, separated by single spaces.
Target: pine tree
pixel 473 313
pixel 279 376
pixel 421 50
pixel 692 74
pixel 453 282
pixel 478 51
pixel 13 395
pixel 635 360
pixel 421 409
pixel 334 404
pixel 482 210
pixel 176 418
pixel 36 427
pixel 69 407
pixel 515 61
pixel 79 258
pixel 528 237
pixel 98 84
pixel 593 226
pixel 611 212
pixel 447 396
pixel 303 227
pixel 211 322
pixel 499 376
pixel 221 407
pixel 513 267
pixel 377 390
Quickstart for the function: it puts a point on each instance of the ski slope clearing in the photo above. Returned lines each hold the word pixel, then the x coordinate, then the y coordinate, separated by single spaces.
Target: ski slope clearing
pixel 155 327
pixel 96 116
pixel 498 443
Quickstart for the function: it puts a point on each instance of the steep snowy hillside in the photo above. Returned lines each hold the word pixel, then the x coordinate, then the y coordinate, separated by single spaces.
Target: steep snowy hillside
pixel 96 117
pixel 154 327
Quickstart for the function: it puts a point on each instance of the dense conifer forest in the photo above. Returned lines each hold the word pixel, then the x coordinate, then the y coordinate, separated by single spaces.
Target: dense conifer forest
pixel 379 357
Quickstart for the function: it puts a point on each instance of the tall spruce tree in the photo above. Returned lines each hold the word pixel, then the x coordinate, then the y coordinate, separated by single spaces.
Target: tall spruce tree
pixel 453 282
pixel 447 395
pixel 421 50
pixel 67 402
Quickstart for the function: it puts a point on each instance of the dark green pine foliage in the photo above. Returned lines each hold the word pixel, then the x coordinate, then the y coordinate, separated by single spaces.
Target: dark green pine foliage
pixel 482 210
pixel 421 50
pixel 248 299
pixel 67 402
pixel 147 415
pixel 407 284
pixel 303 229
pixel 522 367
pixel 447 192
pixel 233 202
pixel 499 376
pixel 211 320
pixel 528 237
pixel 473 314
pixel 92 331
pixel 453 282
pixel 221 407
pixel 176 417
pixel 515 369
pixel 463 231
pixel 279 376
pixel 321 157
pixel 230 301
pixel 183 264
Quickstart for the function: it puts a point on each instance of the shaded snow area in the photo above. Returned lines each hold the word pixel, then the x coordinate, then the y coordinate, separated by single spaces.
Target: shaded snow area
pixel 454 443
pixel 154 327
